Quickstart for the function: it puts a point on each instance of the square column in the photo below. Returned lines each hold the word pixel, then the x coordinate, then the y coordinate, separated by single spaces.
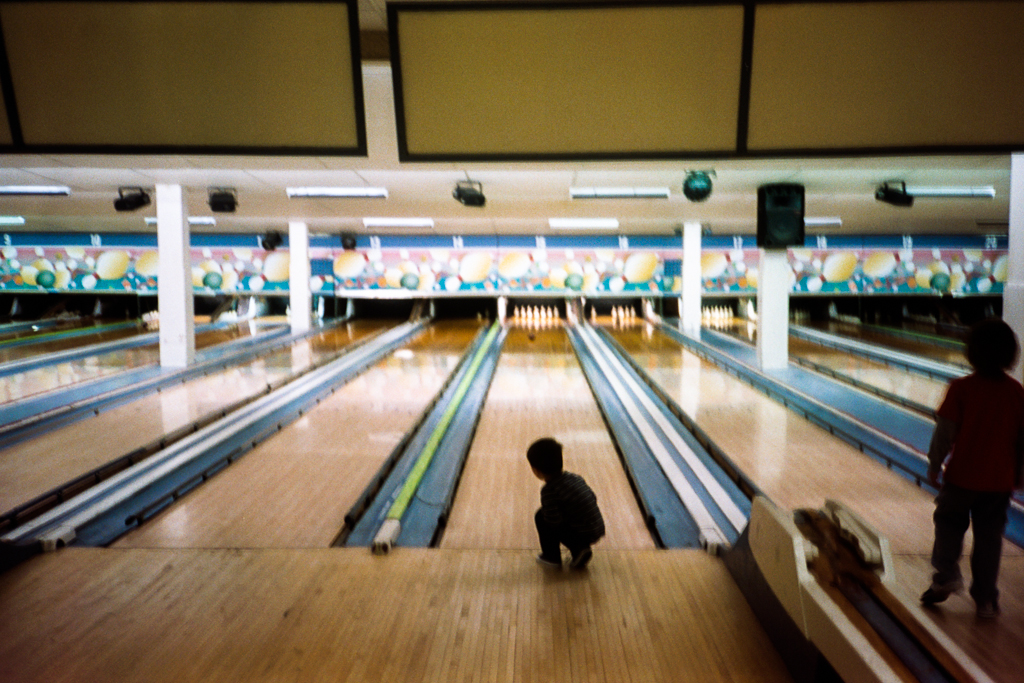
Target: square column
pixel 1013 291
pixel 689 305
pixel 174 295
pixel 300 299
pixel 773 310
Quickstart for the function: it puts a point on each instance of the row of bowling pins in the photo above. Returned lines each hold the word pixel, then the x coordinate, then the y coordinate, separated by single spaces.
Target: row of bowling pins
pixel 623 314
pixel 521 313
pixel 709 313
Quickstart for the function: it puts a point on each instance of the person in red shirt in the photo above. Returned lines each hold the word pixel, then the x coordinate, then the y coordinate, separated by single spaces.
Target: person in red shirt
pixel 979 435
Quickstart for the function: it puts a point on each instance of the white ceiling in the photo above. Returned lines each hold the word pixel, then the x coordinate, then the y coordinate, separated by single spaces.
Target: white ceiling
pixel 520 196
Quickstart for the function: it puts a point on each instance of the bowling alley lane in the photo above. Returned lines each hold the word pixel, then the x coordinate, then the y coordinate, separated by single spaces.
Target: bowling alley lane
pixel 538 390
pixel 53 377
pixel 293 490
pixel 871 336
pixel 33 467
pixel 51 341
pixel 799 465
pixel 913 386
pixel 796 463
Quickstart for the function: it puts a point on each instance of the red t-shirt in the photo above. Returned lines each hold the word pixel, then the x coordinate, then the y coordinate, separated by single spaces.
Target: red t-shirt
pixel 990 414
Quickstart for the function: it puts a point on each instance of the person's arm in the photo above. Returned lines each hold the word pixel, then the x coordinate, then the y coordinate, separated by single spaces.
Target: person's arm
pixel 942 442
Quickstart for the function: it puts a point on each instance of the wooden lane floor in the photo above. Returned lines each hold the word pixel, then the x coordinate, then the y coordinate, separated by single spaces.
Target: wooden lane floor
pixel 33 467
pixel 294 489
pixel 538 390
pixel 55 377
pixel 345 615
pixel 799 465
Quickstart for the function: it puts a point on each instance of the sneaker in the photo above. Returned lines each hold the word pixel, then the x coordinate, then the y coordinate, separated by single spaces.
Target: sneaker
pixel 546 561
pixel 938 592
pixel 988 609
pixel 580 560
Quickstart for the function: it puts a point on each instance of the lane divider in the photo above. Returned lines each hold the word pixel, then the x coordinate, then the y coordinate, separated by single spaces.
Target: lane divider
pixel 725 503
pixel 392 526
pixel 712 534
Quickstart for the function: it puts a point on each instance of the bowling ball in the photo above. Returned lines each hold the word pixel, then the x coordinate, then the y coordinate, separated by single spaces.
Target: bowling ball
pixel 532 336
pixel 410 281
pixel 574 281
pixel 940 282
pixel 213 280
pixel 46 278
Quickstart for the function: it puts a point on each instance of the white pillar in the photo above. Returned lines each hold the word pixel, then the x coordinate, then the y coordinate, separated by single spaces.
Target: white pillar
pixel 1013 291
pixel 773 310
pixel 690 301
pixel 174 296
pixel 300 300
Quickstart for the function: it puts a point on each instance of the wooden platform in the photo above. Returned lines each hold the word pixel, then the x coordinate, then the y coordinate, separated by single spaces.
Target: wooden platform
pixel 85 615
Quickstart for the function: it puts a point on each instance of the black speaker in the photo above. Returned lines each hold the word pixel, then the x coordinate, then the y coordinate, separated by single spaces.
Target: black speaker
pixel 780 216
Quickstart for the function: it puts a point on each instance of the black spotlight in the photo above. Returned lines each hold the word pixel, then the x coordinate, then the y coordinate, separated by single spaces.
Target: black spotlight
pixel 271 241
pixel 469 192
pixel 697 186
pixel 223 200
pixel 131 198
pixel 895 194
pixel 348 241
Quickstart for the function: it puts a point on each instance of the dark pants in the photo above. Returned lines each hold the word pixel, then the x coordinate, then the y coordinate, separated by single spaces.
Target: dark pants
pixel 955 509
pixel 553 537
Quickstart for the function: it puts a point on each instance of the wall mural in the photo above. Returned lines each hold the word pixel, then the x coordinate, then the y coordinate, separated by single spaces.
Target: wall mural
pixel 451 271
pixel 441 266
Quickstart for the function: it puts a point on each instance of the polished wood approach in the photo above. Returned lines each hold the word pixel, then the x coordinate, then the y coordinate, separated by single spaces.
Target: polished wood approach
pixel 799 465
pixel 345 615
pixel 538 390
pixel 33 467
pixel 294 489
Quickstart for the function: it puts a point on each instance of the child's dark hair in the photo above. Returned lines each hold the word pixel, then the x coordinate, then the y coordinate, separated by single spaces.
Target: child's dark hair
pixel 992 347
pixel 545 456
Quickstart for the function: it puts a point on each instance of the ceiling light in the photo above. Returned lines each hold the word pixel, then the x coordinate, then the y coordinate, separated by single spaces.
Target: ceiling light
pixel 12 220
pixel 223 199
pixel 983 191
pixel 583 223
pixel 469 193
pixel 398 222
pixel 619 192
pixel 336 192
pixel 45 190
pixel 130 199
pixel 822 221
pixel 193 220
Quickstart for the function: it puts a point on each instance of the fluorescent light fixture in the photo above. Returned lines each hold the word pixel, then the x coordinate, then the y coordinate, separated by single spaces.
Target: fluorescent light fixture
pixel 960 192
pixel 583 223
pixel 336 192
pixel 398 222
pixel 45 190
pixel 192 220
pixel 821 221
pixel 12 220
pixel 619 192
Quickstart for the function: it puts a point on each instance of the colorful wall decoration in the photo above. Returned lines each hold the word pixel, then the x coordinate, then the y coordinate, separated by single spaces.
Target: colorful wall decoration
pixel 534 266
pixel 487 265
